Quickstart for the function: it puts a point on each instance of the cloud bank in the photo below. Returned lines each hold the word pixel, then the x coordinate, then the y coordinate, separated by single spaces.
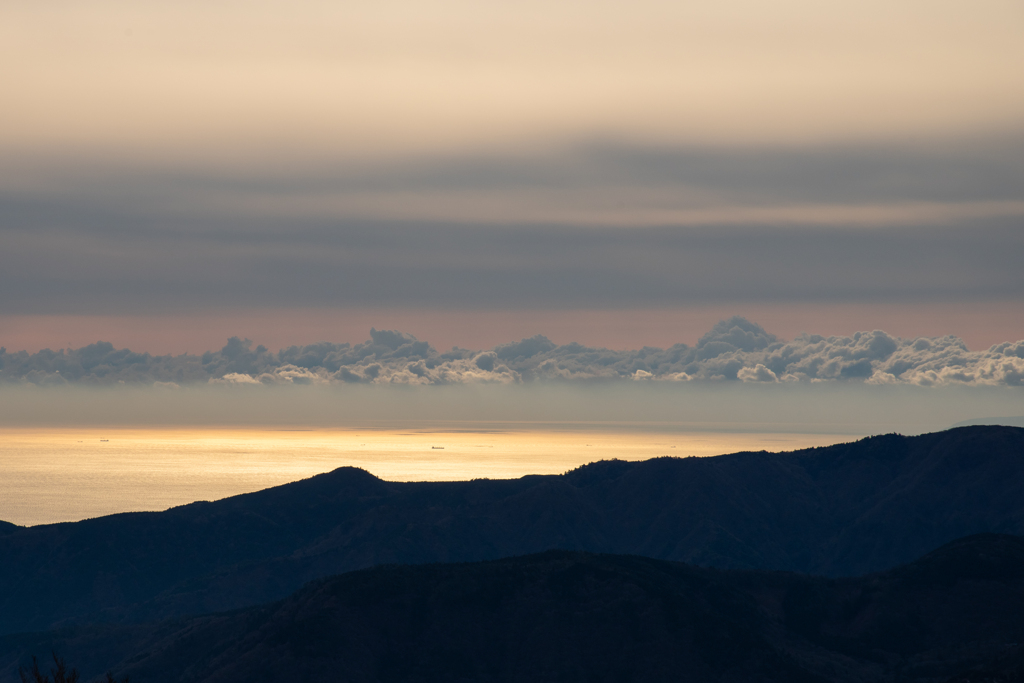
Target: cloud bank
pixel 734 350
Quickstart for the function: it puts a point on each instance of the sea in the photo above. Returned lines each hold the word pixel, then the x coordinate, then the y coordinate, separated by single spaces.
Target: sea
pixel 51 475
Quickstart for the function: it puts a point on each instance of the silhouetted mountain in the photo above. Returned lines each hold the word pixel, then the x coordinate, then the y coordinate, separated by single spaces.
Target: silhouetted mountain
pixel 1017 421
pixel 956 614
pixel 842 510
pixel 1006 669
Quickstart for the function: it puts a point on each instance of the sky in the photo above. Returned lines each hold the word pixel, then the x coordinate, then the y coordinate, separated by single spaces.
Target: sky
pixel 615 174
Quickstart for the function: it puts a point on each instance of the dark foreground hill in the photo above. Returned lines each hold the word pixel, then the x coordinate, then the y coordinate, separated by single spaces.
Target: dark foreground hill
pixel 956 614
pixel 838 511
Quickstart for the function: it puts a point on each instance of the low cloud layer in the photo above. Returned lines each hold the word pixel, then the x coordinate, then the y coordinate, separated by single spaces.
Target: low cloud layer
pixel 735 350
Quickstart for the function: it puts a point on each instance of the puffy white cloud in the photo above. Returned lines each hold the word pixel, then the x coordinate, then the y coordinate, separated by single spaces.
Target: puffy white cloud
pixel 734 350
pixel 758 373
pixel 235 378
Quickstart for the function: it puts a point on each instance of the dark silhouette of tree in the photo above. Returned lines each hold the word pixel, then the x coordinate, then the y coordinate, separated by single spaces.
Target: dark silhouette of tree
pixel 60 673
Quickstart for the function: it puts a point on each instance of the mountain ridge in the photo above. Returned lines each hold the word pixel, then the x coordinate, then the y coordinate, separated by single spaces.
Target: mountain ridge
pixel 840 510
pixel 951 615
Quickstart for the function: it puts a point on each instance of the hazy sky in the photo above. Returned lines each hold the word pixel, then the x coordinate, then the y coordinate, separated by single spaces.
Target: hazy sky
pixel 792 408
pixel 618 174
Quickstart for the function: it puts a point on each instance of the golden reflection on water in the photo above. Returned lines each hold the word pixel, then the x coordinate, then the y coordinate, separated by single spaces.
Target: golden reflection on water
pixel 52 475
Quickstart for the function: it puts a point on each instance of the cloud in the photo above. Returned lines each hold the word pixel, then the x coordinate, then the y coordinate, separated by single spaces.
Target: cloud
pixel 758 373
pixel 50 270
pixel 527 348
pixel 234 378
pixel 392 339
pixel 115 241
pixel 733 350
pixel 734 334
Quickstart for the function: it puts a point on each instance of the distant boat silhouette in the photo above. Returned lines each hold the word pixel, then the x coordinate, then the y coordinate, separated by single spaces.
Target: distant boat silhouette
pixel 437 448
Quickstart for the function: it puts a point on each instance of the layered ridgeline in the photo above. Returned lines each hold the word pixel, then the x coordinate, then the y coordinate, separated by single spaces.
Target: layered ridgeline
pixel 954 615
pixel 843 510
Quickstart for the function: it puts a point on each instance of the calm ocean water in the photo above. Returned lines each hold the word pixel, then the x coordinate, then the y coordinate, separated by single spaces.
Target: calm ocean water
pixel 55 475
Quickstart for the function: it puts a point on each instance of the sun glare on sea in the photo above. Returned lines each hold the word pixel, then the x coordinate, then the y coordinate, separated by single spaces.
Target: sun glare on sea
pixel 55 475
